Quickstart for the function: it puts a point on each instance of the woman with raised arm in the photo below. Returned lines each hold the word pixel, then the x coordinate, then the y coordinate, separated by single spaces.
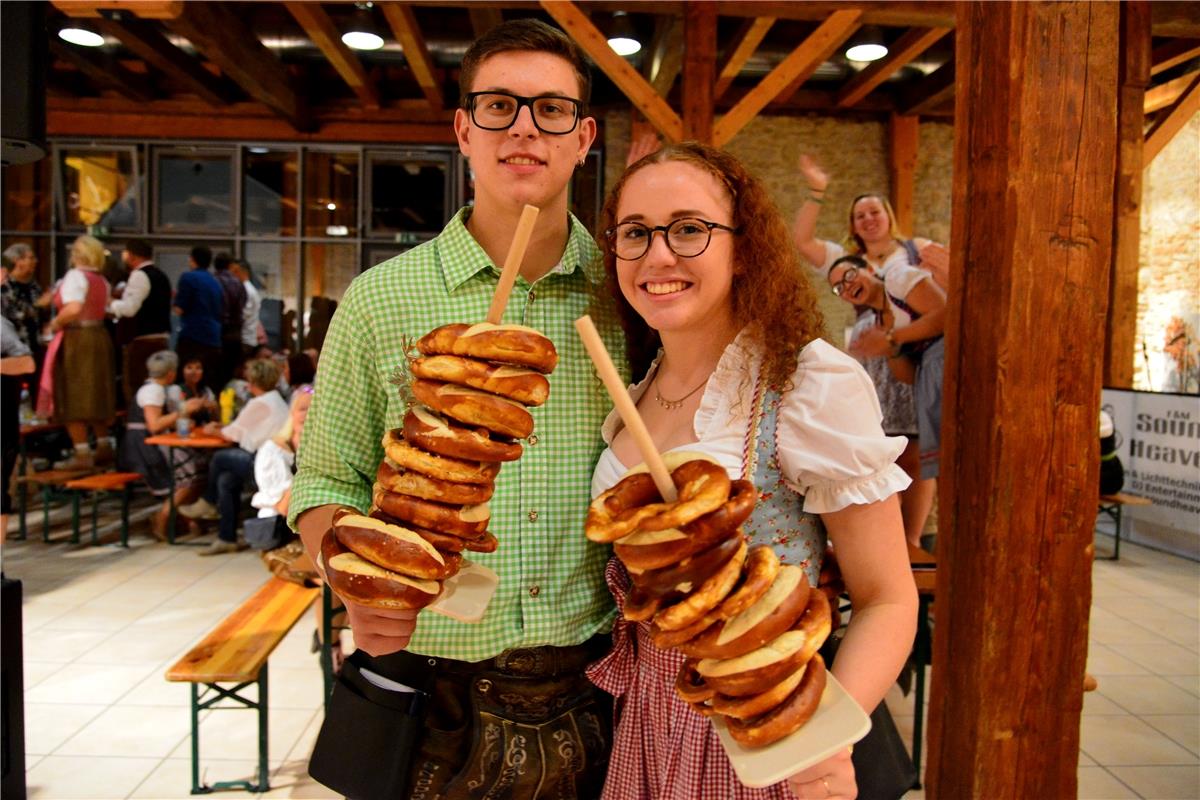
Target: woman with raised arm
pixel 722 329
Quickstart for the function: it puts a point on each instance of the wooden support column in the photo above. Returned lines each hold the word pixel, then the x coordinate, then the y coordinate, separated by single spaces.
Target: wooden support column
pixel 1034 155
pixel 903 143
pixel 1120 333
pixel 699 70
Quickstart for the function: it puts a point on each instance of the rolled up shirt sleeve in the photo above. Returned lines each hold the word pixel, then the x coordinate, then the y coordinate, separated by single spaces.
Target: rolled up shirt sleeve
pixel 136 291
pixel 341 446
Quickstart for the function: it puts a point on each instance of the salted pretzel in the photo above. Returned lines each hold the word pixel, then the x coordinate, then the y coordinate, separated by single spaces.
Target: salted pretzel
pixel 504 344
pixel 394 478
pixel 788 716
pixel 441 467
pixel 704 598
pixel 394 548
pixel 522 384
pixel 360 581
pixel 467 522
pixel 433 432
pixel 474 407
pixel 634 504
pixel 772 614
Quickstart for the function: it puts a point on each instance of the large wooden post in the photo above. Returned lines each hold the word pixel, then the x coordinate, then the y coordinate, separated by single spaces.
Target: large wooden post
pixel 1034 154
pixel 1121 332
pixel 699 70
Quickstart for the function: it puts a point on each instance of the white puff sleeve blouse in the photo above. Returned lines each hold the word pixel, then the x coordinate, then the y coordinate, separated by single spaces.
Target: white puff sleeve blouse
pixel 830 442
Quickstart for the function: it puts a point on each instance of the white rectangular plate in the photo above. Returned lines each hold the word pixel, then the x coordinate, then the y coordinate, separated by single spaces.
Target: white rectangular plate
pixel 838 723
pixel 465 596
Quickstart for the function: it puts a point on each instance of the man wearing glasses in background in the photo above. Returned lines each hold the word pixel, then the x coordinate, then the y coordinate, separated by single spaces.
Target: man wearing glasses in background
pixel 509 690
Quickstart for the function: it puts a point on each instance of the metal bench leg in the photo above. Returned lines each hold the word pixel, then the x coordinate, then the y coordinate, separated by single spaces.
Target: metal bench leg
pixel 196 787
pixel 125 492
pixel 95 513
pixel 74 517
pixel 1117 535
pixel 22 507
pixel 327 641
pixel 45 513
pixel 264 777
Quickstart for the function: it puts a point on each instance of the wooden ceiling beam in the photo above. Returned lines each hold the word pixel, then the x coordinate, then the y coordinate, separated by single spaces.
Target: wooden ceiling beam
pixel 146 41
pixel 104 72
pixel 791 72
pixel 910 45
pixel 217 31
pixel 146 9
pixel 928 94
pixel 934 14
pixel 1167 93
pixel 484 19
pixel 325 35
pixel 403 22
pixel 1172 54
pixel 747 41
pixel 1164 130
pixel 1175 19
pixel 577 25
pixel 700 67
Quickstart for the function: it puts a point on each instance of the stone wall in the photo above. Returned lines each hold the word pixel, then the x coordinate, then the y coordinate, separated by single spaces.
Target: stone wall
pixel 1169 268
pixel 854 153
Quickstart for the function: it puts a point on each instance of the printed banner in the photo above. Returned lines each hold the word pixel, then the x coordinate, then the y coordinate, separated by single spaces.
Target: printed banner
pixel 1158 442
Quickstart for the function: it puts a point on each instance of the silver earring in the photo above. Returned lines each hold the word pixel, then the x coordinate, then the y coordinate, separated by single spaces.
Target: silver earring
pixel 581 161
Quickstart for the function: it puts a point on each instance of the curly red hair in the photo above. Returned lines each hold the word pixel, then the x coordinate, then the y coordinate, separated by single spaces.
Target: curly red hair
pixel 773 299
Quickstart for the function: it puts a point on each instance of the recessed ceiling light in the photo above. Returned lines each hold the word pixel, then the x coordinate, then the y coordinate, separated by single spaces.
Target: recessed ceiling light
pixel 866 52
pixel 623 35
pixel 81 37
pixel 331 206
pixel 258 151
pixel 362 40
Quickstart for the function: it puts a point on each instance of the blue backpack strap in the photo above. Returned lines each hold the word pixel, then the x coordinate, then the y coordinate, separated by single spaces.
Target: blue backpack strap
pixel 910 247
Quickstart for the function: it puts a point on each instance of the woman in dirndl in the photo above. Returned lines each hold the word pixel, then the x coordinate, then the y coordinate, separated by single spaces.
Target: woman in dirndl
pixel 742 377
pixel 78 382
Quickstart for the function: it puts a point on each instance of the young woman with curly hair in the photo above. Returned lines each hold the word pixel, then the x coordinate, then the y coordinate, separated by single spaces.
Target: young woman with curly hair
pixel 700 264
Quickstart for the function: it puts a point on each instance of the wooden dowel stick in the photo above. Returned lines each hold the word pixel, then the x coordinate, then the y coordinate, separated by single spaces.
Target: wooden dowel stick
pixel 625 406
pixel 512 263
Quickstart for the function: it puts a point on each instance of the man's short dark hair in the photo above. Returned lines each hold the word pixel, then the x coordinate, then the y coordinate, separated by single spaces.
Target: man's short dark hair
pixel 222 261
pixel 140 248
pixel 529 35
pixel 202 256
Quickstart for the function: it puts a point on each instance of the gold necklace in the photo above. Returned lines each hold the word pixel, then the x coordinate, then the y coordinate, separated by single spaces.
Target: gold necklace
pixel 671 405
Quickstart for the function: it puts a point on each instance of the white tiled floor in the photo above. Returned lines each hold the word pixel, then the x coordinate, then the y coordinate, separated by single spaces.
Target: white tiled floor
pixel 103 624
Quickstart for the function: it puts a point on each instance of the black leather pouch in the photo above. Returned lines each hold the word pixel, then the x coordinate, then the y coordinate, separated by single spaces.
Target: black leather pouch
pixel 367 743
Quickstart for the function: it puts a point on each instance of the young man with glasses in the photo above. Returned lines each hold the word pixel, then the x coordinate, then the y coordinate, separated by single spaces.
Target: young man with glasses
pixel 512 684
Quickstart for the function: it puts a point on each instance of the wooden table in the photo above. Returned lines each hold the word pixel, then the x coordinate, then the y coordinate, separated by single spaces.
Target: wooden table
pixel 196 441
pixel 924 567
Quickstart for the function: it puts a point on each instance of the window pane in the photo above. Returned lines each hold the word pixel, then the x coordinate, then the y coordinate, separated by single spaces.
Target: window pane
pixel 27 195
pixel 277 272
pixel 99 189
pixel 408 194
pixel 585 191
pixel 330 194
pixel 328 270
pixel 269 204
pixel 195 192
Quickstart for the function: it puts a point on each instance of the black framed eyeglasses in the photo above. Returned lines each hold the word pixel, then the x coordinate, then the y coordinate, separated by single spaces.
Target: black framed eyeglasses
pixel 497 111
pixel 686 238
pixel 848 277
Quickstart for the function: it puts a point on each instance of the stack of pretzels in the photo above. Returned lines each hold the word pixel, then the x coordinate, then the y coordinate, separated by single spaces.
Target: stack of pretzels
pixel 471 386
pixel 749 625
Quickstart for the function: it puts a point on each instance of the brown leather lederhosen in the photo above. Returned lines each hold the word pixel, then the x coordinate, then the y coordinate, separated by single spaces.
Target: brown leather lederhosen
pixel 524 724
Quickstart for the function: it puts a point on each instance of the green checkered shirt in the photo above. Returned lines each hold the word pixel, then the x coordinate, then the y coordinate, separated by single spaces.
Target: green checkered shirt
pixel 552 588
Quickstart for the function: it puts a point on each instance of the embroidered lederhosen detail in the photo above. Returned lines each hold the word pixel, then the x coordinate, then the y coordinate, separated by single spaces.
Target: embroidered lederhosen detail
pixel 779 519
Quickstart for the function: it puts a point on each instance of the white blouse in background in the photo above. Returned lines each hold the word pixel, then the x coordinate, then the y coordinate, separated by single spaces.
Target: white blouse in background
pixel 258 421
pixel 831 446
pixel 272 475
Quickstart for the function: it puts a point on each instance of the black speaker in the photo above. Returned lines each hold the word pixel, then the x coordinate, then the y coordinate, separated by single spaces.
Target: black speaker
pixel 23 62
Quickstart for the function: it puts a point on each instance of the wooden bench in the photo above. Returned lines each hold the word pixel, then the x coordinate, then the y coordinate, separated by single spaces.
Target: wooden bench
pixel 49 480
pixel 100 485
pixel 236 652
pixel 1111 504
